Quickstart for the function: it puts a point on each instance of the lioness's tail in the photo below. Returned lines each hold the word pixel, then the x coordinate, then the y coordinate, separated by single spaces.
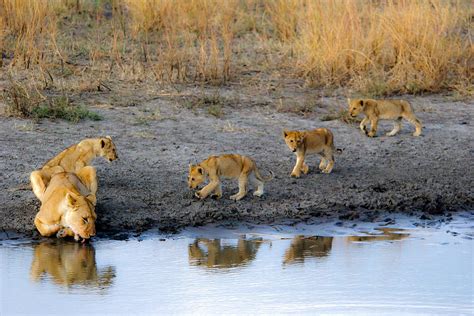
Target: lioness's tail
pixel 259 176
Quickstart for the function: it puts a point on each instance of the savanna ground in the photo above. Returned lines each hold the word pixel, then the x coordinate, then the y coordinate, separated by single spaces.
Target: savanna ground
pixel 175 81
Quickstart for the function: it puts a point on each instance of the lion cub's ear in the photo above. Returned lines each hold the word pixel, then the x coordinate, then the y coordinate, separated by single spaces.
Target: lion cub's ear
pixel 199 169
pixel 349 100
pixel 71 199
pixel 285 133
pixel 108 137
pixel 361 102
pixel 102 143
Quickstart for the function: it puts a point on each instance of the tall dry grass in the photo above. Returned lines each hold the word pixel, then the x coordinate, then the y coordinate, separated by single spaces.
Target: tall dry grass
pixel 375 47
pixel 379 46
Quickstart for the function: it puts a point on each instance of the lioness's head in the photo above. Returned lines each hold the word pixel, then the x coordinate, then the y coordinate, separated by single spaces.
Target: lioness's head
pixel 293 139
pixel 355 106
pixel 80 214
pixel 108 149
pixel 196 176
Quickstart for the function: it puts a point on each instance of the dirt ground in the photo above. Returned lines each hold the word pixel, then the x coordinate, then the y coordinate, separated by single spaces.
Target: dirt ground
pixel 157 139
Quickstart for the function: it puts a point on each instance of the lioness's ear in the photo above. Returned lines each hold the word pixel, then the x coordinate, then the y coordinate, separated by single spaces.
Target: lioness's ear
pixel 92 198
pixel 285 133
pixel 71 199
pixel 199 170
pixel 102 143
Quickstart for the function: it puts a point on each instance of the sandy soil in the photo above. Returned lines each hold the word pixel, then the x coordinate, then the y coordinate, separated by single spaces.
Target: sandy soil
pixel 146 188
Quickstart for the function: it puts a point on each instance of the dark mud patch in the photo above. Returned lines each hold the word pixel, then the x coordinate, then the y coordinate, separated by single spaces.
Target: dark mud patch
pixel 146 189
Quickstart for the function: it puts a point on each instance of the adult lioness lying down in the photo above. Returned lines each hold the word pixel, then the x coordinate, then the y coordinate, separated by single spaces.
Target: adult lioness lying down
pixel 227 166
pixel 68 205
pixel 376 110
pixel 73 159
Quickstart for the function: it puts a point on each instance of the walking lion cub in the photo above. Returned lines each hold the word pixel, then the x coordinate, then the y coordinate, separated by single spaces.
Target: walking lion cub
pixel 320 141
pixel 68 205
pixel 376 110
pixel 227 166
pixel 72 159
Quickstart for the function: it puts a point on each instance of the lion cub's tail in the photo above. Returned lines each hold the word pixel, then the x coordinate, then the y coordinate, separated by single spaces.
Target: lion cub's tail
pixel 259 176
pixel 339 150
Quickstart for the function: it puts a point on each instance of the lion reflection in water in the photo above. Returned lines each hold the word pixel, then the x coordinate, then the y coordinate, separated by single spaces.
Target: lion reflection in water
pixel 303 247
pixel 69 264
pixel 387 234
pixel 212 254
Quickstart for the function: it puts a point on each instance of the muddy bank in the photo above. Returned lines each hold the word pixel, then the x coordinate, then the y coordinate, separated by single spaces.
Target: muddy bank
pixel 146 188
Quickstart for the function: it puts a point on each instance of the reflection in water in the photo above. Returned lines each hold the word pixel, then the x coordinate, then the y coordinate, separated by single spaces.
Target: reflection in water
pixel 387 234
pixel 68 264
pixel 304 247
pixel 210 253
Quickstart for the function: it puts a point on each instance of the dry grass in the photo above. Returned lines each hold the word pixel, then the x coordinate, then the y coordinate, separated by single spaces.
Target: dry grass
pixel 371 47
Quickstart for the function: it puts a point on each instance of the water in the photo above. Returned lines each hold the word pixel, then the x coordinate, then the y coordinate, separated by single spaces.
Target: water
pixel 270 270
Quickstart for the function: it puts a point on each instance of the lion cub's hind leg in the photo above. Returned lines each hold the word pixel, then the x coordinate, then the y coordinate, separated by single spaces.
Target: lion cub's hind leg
pixel 323 163
pixel 243 180
pixel 397 125
pixel 410 117
pixel 329 157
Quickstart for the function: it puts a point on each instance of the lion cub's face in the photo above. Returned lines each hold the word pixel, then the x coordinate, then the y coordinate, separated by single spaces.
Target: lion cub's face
pixel 80 215
pixel 108 149
pixel 355 106
pixel 196 176
pixel 293 139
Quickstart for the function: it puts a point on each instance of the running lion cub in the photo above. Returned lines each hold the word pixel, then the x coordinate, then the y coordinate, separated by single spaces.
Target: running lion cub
pixel 68 205
pixel 320 141
pixel 376 110
pixel 72 159
pixel 227 166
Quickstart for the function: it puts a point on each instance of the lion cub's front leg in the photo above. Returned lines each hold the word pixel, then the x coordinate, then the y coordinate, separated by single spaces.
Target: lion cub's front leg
pixel 204 192
pixel 373 127
pixel 363 125
pixel 299 166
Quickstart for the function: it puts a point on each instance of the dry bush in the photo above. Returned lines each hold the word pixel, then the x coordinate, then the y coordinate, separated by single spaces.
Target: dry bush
pixel 378 47
pixel 185 39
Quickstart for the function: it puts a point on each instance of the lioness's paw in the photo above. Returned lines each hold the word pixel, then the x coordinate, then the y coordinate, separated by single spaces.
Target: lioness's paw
pixel 61 233
pixel 305 169
pixel 258 193
pixel 371 134
pixel 416 134
pixel 295 175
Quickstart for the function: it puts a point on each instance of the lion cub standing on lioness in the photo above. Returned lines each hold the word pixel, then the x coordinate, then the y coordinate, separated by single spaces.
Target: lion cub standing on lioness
pixel 320 141
pixel 227 166
pixel 72 159
pixel 68 205
pixel 376 110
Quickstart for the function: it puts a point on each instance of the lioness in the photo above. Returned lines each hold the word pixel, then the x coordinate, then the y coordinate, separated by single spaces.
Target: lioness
pixel 72 159
pixel 68 205
pixel 228 166
pixel 376 110
pixel 318 141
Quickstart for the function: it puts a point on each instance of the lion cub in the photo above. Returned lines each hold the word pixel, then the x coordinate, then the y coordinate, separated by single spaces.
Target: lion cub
pixel 227 166
pixel 68 205
pixel 376 110
pixel 72 159
pixel 318 141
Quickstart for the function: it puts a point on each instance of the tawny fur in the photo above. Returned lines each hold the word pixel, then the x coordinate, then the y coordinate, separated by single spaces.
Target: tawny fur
pixel 68 205
pixel 375 110
pixel 319 141
pixel 72 159
pixel 227 166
